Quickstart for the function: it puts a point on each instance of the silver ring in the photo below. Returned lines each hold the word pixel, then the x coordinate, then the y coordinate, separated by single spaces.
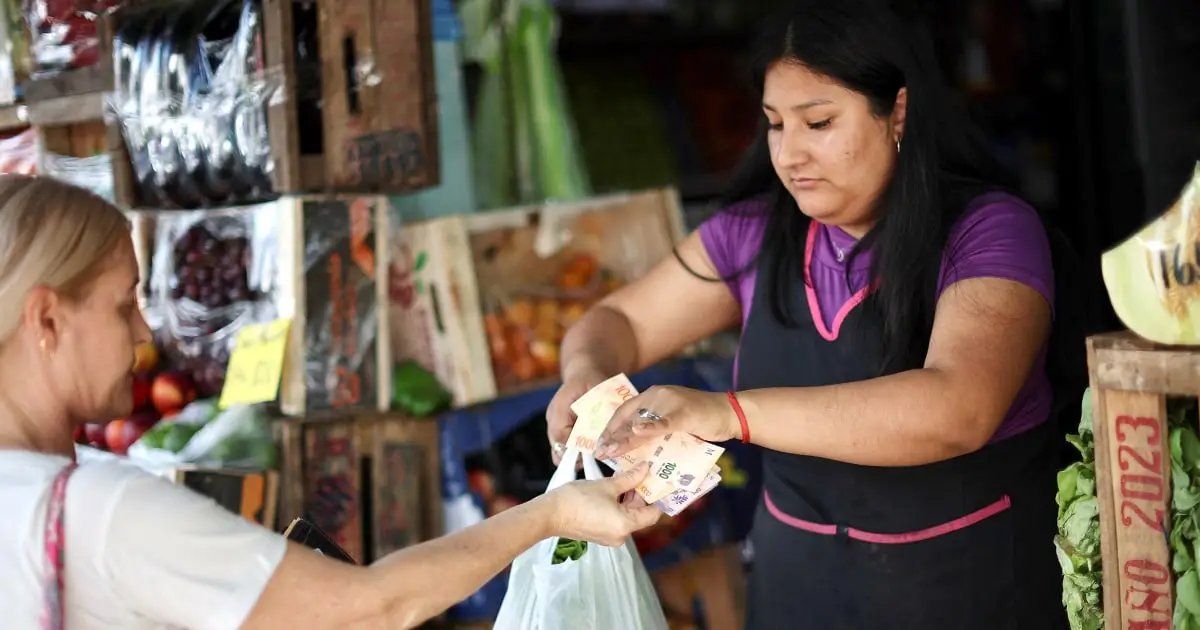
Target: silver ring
pixel 560 448
pixel 649 415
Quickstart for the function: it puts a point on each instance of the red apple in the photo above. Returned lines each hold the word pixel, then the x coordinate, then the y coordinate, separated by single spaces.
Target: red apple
pixel 121 434
pixel 141 391
pixel 172 391
pixel 94 433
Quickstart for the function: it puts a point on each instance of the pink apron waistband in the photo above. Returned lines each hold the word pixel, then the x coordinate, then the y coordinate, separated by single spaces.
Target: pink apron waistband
pixel 889 539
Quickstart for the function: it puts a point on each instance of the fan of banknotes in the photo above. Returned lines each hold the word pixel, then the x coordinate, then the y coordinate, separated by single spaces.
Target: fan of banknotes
pixel 683 468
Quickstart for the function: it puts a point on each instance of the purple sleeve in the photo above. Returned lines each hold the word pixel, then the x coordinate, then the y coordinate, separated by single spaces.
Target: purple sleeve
pixel 1000 236
pixel 732 238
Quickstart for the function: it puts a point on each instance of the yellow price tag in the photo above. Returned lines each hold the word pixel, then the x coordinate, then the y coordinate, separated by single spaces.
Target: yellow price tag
pixel 256 364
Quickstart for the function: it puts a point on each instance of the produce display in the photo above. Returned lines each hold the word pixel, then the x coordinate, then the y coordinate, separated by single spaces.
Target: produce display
pixel 210 276
pixel 65 33
pixel 191 97
pixel 1078 539
pixel 157 394
pixel 1153 277
pixel 1185 511
pixel 524 331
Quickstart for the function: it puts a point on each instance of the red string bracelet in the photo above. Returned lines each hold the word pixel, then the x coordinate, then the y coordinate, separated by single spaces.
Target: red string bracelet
pixel 741 415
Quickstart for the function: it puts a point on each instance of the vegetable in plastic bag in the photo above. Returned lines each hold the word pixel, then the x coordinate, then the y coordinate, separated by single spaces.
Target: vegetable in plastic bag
pixel 571 585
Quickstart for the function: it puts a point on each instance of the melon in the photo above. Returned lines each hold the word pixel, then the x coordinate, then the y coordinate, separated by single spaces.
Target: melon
pixel 1153 277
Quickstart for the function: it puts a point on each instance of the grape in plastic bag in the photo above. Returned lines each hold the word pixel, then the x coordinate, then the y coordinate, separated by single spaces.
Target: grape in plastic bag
pixel 604 589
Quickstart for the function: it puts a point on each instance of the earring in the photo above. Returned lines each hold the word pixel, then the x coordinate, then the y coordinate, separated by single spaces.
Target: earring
pixel 42 345
pixel 897 146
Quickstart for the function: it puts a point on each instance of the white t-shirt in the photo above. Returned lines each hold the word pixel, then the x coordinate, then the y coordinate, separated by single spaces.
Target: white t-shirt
pixel 141 552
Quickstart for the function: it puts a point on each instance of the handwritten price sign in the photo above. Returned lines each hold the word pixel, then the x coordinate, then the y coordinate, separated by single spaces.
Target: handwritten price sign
pixel 256 364
pixel 1139 476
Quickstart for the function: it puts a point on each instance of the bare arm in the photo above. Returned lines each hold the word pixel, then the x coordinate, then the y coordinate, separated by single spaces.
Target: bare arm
pixel 652 318
pixel 403 589
pixel 987 334
pixel 411 585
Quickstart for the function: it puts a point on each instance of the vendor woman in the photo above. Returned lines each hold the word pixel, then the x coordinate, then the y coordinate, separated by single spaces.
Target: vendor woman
pixel 895 307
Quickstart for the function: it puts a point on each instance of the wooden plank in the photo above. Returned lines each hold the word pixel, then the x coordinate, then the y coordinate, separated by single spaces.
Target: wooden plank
pixel 406 484
pixel 1165 370
pixel 333 483
pixel 67 110
pixel 281 113
pixel 1133 482
pixel 406 130
pixel 14 117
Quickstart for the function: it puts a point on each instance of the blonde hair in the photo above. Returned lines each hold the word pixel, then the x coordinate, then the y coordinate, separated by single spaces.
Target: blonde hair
pixel 52 234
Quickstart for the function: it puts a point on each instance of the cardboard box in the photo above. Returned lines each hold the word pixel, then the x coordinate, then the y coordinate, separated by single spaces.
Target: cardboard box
pixel 528 273
pixel 319 260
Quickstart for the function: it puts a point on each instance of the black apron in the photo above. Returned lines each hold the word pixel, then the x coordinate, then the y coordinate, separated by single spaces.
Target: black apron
pixel 964 543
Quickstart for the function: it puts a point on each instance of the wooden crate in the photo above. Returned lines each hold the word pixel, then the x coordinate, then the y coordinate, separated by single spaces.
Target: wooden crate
pixel 1130 380
pixel 450 274
pixel 371 481
pixel 372 85
pixel 329 256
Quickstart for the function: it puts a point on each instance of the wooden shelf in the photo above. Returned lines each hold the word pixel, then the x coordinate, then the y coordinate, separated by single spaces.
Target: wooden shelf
pixel 67 110
pixel 13 117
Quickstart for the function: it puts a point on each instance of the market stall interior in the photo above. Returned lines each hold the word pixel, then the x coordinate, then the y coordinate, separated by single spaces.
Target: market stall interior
pixel 365 226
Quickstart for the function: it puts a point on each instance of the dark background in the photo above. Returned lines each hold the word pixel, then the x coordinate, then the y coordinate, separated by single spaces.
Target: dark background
pixel 1093 104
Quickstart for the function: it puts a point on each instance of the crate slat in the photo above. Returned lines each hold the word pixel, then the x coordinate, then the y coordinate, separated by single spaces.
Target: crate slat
pixel 1131 380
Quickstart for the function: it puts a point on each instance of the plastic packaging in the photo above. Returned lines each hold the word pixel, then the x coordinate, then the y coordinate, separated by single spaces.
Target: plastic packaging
pixel 93 173
pixel 213 272
pixel 191 97
pixel 604 588
pixel 1153 277
pixel 19 154
pixel 238 438
pixel 65 33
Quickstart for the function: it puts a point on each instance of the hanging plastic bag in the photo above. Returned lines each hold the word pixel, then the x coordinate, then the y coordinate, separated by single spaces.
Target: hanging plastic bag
pixel 605 588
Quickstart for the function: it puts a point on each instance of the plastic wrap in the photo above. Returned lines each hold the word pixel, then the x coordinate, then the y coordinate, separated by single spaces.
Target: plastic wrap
pixel 18 154
pixel 213 272
pixel 238 438
pixel 93 173
pixel 191 97
pixel 65 34
pixel 1153 277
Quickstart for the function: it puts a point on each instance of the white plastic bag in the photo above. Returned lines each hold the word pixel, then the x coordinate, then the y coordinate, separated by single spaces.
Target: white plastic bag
pixel 606 589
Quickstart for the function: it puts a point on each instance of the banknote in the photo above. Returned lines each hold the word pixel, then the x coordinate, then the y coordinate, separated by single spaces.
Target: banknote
pixel 594 409
pixel 679 500
pixel 680 461
pixel 677 461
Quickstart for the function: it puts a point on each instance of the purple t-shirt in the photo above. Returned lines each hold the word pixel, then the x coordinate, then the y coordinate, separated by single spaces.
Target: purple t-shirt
pixel 999 236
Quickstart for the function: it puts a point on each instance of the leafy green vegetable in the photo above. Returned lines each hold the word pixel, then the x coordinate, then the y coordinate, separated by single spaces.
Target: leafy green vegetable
pixel 1078 541
pixel 1185 510
pixel 568 549
pixel 417 392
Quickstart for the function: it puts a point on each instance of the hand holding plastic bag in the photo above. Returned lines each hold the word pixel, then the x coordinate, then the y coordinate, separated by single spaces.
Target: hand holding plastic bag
pixel 605 589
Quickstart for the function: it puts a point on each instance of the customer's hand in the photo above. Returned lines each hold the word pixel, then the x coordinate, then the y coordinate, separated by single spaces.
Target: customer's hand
pixel 559 417
pixel 594 510
pixel 706 415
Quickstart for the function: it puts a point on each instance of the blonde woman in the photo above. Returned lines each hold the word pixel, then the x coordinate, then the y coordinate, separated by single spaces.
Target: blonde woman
pixel 108 546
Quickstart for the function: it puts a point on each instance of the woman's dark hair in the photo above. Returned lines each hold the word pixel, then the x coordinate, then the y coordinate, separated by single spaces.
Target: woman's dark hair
pixel 875 48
